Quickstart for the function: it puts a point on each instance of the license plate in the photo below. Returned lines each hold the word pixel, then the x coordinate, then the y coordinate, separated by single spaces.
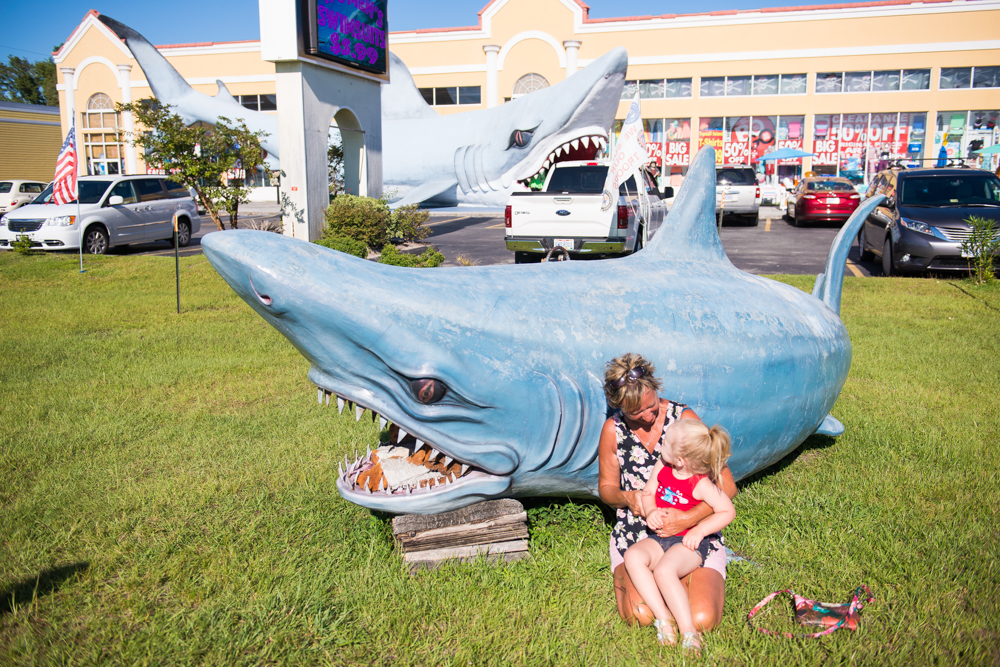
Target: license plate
pixel 833 200
pixel 563 243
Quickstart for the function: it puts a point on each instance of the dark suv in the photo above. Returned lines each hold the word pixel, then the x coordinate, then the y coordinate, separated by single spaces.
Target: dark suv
pixel 922 222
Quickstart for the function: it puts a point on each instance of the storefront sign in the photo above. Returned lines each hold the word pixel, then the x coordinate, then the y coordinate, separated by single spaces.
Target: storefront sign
pixel 678 153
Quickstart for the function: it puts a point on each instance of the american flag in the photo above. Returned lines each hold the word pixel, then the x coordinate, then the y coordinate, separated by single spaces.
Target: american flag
pixel 64 186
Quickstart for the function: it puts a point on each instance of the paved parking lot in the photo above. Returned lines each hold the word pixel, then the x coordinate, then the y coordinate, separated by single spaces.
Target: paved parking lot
pixel 775 246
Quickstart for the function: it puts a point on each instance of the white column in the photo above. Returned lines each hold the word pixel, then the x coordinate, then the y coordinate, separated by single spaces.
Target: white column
pixel 125 83
pixel 572 48
pixel 69 87
pixel 492 80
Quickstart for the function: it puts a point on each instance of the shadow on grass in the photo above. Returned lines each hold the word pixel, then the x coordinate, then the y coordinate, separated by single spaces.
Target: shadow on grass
pixel 807 450
pixel 48 581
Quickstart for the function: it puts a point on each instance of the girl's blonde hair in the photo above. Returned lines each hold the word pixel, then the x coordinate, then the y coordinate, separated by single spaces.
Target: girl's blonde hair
pixel 705 449
pixel 628 397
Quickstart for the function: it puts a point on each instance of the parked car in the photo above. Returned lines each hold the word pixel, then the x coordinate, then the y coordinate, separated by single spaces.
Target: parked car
pixel 16 193
pixel 922 222
pixel 570 212
pixel 737 192
pixel 113 210
pixel 822 198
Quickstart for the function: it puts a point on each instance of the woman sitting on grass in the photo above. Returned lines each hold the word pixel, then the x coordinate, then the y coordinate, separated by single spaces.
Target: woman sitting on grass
pixel 688 471
pixel 630 444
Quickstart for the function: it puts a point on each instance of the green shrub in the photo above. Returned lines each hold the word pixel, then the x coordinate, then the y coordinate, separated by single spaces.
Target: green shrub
pixel 23 245
pixel 344 244
pixel 429 258
pixel 982 245
pixel 359 218
pixel 407 223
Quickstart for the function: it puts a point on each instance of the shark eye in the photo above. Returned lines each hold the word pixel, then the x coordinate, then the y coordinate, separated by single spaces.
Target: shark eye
pixel 428 391
pixel 520 138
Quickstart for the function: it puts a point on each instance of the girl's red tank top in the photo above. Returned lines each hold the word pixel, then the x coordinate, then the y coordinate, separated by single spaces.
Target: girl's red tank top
pixel 676 493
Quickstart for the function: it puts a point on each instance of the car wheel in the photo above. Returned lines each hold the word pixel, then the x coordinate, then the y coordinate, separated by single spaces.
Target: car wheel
pixel 793 215
pixel 753 220
pixel 864 254
pixel 95 241
pixel 183 233
pixel 638 241
pixel 887 266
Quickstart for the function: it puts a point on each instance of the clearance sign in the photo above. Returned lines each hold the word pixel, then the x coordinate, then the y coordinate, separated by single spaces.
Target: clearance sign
pixel 349 32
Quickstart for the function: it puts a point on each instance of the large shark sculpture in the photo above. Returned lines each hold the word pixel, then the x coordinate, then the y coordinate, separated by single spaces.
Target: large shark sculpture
pixel 478 157
pixel 474 157
pixel 492 376
pixel 169 87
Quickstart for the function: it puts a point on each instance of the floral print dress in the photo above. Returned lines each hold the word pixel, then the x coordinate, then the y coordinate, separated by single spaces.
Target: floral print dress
pixel 636 465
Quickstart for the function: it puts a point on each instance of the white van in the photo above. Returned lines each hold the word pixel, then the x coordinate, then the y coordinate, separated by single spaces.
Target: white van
pixel 113 210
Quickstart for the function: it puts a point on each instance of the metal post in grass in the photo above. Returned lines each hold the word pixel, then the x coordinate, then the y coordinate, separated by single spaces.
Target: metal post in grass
pixel 177 262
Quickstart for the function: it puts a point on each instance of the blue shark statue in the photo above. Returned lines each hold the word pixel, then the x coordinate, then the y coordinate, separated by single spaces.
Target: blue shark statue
pixel 498 369
pixel 470 158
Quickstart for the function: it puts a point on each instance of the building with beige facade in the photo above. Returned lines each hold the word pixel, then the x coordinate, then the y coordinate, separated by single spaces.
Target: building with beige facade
pixel 856 84
pixel 29 141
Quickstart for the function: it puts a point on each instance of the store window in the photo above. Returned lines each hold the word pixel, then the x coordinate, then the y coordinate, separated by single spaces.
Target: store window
pixel 858 146
pixel 873 81
pixel 793 84
pixel 259 102
pixel 961 133
pixel 765 85
pixel 969 77
pixel 712 86
pixel 657 89
pixel 529 83
pixel 99 125
pixel 455 95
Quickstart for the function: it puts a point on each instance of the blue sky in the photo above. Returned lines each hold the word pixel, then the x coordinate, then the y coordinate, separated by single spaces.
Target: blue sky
pixel 34 29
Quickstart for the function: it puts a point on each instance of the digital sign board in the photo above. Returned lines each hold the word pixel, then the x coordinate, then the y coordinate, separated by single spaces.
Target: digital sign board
pixel 349 32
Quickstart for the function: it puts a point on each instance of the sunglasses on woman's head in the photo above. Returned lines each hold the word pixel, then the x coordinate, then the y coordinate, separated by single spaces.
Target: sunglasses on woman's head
pixel 631 376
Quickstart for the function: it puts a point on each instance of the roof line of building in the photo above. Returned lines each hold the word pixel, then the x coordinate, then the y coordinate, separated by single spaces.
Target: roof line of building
pixel 592 21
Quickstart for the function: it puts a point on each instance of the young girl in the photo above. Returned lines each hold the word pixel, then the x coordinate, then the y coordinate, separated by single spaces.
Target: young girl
pixel 686 474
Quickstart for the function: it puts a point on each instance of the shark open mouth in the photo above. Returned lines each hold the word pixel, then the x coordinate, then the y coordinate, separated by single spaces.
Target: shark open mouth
pixel 403 465
pixel 585 147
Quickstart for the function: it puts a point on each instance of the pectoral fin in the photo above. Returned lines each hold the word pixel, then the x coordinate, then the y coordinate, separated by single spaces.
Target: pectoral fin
pixel 830 426
pixel 425 191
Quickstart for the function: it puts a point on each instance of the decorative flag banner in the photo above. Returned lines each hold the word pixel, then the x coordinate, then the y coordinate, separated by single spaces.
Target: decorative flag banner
pixel 629 154
pixel 64 186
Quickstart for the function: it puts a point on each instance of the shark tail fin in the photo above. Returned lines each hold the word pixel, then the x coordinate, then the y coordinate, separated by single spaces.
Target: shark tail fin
pixel 830 283
pixel 689 231
pixel 166 82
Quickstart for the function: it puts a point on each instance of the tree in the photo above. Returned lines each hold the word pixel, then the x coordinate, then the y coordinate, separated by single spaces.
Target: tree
pixel 335 162
pixel 211 160
pixel 28 83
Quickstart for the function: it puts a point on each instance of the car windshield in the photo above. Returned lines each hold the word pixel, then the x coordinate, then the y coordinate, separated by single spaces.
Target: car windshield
pixel 5 187
pixel 829 186
pixel 950 190
pixel 735 177
pixel 45 197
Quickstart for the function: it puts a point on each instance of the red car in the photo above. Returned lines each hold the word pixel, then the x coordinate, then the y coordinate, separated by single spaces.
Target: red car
pixel 822 198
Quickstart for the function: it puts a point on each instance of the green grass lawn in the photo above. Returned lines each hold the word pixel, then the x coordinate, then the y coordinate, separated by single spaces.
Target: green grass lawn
pixel 167 496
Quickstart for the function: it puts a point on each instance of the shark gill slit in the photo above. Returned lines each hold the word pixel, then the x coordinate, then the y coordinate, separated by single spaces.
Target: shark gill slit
pixel 484 184
pixel 463 180
pixel 568 429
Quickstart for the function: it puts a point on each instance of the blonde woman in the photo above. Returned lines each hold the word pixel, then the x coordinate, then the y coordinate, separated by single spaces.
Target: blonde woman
pixel 630 445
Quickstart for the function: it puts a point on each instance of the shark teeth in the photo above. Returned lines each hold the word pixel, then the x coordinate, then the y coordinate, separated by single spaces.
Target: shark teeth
pixel 440 470
pixel 598 142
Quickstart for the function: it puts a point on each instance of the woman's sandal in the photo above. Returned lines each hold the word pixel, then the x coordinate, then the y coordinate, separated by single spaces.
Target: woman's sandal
pixel 691 641
pixel 666 633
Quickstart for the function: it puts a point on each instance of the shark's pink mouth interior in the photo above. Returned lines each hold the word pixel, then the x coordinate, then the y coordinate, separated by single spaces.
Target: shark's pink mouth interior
pixel 583 148
pixel 403 464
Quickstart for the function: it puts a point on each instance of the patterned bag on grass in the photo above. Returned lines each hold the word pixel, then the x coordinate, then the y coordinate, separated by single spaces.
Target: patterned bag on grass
pixel 823 614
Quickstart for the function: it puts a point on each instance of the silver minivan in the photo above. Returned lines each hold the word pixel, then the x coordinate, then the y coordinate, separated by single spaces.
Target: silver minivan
pixel 113 210
pixel 737 192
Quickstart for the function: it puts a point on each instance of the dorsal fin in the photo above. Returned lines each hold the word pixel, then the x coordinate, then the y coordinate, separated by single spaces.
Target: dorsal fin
pixel 166 82
pixel 400 98
pixel 830 283
pixel 224 93
pixel 689 231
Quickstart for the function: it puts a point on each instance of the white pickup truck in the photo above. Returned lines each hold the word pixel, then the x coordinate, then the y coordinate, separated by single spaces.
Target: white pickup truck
pixel 567 213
